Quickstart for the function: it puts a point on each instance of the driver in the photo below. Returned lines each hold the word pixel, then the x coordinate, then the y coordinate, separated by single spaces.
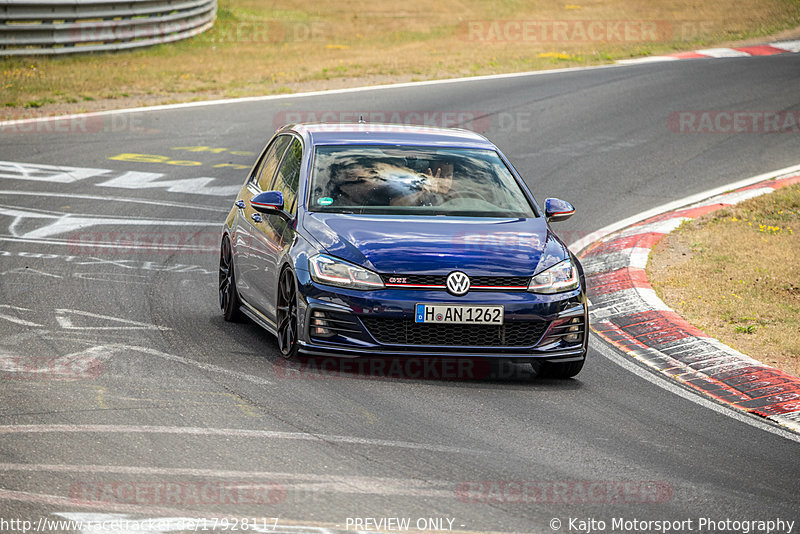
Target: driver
pixel 441 182
pixel 435 188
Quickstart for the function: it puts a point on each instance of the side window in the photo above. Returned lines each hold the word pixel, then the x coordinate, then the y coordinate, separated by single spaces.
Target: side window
pixel 253 176
pixel 263 177
pixel 289 176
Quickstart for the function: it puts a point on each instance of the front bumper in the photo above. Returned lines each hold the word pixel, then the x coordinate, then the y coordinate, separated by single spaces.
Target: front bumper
pixel 341 322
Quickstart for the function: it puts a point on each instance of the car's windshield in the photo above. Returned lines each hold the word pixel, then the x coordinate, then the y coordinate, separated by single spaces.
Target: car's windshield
pixel 411 180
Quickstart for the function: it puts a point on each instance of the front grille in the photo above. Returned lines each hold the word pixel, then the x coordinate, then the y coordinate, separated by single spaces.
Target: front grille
pixel 416 279
pixel 503 281
pixel 439 280
pixel 406 332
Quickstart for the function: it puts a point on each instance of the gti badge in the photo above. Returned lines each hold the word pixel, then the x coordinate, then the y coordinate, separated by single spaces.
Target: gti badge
pixel 457 283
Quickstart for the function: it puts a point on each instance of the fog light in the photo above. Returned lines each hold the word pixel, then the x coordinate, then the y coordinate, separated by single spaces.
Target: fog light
pixel 318 324
pixel 574 334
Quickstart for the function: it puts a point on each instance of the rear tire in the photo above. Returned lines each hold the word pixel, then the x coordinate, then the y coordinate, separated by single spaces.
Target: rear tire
pixel 560 370
pixel 228 295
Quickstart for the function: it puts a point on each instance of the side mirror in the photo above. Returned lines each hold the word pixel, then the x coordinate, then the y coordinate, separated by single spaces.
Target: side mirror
pixel 268 202
pixel 556 210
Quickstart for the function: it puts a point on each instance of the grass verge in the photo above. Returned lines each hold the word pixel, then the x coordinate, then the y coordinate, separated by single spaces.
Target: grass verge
pixel 257 48
pixel 735 274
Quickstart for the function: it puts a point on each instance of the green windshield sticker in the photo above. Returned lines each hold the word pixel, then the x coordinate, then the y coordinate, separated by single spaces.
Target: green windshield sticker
pixel 325 201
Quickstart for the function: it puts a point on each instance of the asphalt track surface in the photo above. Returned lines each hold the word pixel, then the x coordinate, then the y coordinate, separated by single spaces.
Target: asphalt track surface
pixel 355 446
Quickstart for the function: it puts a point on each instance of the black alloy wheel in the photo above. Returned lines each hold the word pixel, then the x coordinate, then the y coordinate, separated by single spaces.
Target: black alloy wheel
pixel 287 315
pixel 228 295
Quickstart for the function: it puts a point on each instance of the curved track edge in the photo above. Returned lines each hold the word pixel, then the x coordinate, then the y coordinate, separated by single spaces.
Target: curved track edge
pixel 626 312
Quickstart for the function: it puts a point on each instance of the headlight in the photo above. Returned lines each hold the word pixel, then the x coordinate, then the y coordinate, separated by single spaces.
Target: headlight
pixel 560 277
pixel 335 272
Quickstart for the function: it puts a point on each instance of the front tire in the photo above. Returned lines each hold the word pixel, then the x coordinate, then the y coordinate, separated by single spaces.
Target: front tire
pixel 228 295
pixel 287 315
pixel 560 370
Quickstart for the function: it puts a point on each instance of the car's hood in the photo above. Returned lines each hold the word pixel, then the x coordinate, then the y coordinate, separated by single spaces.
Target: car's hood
pixel 438 245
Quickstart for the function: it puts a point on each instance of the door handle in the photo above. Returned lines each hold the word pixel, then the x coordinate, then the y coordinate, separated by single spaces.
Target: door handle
pixel 256 217
pixel 239 204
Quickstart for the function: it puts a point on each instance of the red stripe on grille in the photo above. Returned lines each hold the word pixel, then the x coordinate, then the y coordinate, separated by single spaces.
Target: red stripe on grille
pixel 414 285
pixel 498 287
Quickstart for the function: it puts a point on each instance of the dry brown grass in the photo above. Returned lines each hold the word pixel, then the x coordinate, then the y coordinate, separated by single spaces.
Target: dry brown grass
pixel 735 274
pixel 259 48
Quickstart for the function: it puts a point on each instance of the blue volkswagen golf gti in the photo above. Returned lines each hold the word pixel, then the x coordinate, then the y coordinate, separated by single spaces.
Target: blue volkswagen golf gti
pixel 381 240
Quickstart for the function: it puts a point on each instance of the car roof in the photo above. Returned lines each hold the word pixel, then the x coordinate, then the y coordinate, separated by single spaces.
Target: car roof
pixel 389 134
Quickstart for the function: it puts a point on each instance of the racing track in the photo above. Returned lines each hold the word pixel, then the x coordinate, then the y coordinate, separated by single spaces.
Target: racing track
pixel 170 381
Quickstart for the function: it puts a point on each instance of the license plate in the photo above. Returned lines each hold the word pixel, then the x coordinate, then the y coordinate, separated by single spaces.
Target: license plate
pixel 458 314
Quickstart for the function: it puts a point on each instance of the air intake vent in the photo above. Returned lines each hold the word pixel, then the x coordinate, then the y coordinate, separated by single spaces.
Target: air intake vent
pixel 325 325
pixel 569 331
pixel 406 332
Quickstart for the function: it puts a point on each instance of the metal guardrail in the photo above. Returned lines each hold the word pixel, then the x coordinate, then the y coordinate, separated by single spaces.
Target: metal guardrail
pixel 30 27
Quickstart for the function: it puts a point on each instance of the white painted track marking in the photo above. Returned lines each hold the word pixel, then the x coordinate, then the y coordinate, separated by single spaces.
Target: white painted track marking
pixel 318 482
pixel 76 244
pixel 230 432
pixel 65 317
pixel 293 96
pixel 117 199
pixel 12 170
pixel 792 46
pixel 65 222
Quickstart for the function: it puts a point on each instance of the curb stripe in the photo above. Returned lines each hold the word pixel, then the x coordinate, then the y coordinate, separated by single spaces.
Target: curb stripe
pixel 613 281
pixel 687 55
pixel 770 49
pixel 789 46
pixel 761 50
pixel 618 244
pixel 722 52
pixel 626 312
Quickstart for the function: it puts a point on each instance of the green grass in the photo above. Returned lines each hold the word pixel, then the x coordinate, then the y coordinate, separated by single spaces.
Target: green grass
pixel 735 273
